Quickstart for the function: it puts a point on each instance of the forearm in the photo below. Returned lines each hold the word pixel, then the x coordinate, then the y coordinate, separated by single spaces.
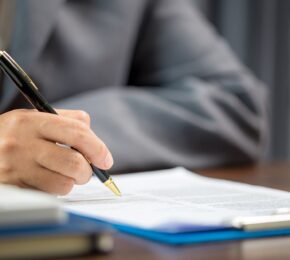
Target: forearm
pixel 194 125
pixel 193 103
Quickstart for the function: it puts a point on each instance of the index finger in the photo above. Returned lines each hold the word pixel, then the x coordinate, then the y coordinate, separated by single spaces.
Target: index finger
pixel 80 115
pixel 73 133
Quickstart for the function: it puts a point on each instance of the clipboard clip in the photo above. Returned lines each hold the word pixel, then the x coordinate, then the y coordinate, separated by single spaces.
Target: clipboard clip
pixel 279 219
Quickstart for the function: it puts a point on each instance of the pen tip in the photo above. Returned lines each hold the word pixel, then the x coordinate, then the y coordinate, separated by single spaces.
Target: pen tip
pixel 113 187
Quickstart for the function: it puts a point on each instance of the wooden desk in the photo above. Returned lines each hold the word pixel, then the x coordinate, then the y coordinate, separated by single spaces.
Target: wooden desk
pixel 271 175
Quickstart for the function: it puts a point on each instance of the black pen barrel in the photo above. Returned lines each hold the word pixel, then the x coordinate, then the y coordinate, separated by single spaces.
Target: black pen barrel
pixel 101 174
pixel 24 83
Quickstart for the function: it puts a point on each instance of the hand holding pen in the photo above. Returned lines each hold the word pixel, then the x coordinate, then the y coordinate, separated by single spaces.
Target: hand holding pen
pixel 29 154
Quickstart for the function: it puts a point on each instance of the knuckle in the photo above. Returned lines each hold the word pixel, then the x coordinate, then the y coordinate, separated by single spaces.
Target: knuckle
pixel 85 177
pixel 79 169
pixel 83 116
pixel 8 145
pixel 66 187
pixel 43 125
pixel 76 162
pixel 6 167
pixel 81 133
pixel 18 118
pixel 20 111
pixel 24 110
pixel 88 175
pixel 47 123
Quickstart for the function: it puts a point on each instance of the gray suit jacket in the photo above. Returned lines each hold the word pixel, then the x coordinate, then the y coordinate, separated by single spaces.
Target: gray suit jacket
pixel 162 88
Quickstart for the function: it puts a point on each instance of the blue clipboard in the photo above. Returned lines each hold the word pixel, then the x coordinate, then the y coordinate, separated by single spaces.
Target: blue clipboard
pixel 197 235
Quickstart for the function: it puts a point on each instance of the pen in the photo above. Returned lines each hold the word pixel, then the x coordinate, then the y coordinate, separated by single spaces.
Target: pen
pixel 31 93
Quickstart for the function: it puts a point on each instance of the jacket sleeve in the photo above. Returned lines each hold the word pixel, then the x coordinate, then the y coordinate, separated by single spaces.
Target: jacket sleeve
pixel 190 102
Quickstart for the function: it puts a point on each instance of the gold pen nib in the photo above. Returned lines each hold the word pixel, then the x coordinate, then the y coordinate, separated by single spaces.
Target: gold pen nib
pixel 112 186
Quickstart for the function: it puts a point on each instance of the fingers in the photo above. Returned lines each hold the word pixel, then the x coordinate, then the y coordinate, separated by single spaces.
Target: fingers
pixel 30 158
pixel 48 181
pixel 77 135
pixel 75 114
pixel 63 160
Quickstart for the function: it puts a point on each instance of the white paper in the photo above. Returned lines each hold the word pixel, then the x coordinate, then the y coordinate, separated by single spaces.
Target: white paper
pixel 154 199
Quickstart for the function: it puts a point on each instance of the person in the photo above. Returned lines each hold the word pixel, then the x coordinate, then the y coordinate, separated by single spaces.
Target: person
pixel 161 87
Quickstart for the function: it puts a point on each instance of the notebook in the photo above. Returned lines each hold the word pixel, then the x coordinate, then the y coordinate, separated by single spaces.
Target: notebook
pixel 77 236
pixel 22 206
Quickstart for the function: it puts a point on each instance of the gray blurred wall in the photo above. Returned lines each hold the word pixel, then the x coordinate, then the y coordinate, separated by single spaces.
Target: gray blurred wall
pixel 258 31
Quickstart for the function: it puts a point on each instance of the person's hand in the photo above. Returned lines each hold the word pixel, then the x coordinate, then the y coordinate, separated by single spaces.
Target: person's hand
pixel 30 156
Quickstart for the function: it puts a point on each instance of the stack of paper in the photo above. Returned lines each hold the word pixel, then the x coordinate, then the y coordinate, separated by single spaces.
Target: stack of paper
pixel 174 201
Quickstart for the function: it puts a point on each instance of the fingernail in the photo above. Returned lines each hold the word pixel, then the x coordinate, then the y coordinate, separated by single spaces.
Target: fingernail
pixel 108 160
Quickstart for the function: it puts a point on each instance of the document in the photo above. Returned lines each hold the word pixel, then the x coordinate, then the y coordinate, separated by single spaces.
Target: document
pixel 168 200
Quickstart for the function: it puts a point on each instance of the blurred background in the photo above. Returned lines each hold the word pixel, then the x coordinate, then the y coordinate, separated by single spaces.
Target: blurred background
pixel 258 31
